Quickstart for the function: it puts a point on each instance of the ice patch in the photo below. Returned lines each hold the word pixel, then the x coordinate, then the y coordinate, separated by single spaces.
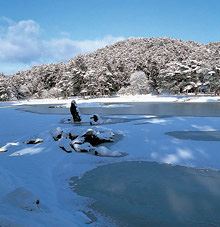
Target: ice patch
pixel 25 151
pixel 23 199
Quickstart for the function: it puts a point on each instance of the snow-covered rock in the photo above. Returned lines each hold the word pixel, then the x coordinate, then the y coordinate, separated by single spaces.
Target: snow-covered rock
pixel 72 135
pixel 95 120
pixel 3 149
pixel 106 152
pixel 64 144
pixel 83 147
pixel 105 135
pixel 75 112
pixel 98 151
pixel 78 140
pixel 56 133
pixel 96 137
pixel 7 146
pixel 34 141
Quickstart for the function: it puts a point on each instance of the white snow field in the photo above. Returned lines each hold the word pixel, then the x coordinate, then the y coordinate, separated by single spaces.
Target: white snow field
pixel 35 186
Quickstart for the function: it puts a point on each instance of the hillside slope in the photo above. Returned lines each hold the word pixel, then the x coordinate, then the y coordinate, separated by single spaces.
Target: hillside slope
pixel 160 65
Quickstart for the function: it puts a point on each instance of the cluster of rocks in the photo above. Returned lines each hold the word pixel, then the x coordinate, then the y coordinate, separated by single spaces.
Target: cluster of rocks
pixel 87 142
pixel 32 141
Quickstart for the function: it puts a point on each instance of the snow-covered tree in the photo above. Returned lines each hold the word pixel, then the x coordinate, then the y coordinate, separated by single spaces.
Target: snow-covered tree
pixel 139 84
pixel 4 88
pixel 170 65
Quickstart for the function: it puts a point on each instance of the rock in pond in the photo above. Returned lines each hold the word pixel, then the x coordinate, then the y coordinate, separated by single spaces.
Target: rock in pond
pixel 57 133
pixel 64 144
pixel 34 141
pixel 97 137
pixel 75 112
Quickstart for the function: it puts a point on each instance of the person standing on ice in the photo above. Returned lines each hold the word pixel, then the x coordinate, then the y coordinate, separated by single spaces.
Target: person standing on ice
pixel 75 112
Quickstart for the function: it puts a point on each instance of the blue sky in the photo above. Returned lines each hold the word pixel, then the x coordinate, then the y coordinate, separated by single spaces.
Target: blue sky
pixel 38 31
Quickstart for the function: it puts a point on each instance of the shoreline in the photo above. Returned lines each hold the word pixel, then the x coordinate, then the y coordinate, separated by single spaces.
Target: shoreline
pixel 119 99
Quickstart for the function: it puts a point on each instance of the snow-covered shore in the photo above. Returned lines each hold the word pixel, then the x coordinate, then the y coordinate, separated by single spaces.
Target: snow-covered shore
pixel 42 171
pixel 120 99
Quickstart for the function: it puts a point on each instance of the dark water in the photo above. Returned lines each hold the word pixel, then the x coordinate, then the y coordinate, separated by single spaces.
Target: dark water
pixel 195 135
pixel 211 109
pixel 150 194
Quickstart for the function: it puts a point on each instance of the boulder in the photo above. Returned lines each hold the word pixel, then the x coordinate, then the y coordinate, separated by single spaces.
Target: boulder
pixel 98 151
pixel 57 133
pixel 3 149
pixel 34 141
pixel 72 135
pixel 83 147
pixel 64 144
pixel 7 146
pixel 105 152
pixel 95 120
pixel 97 137
pixel 78 140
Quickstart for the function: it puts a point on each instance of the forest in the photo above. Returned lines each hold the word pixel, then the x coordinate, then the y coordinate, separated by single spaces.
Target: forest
pixel 132 66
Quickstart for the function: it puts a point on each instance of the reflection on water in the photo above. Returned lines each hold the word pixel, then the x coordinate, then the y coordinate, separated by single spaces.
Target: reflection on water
pixel 196 135
pixel 151 194
pixel 160 109
pixel 147 108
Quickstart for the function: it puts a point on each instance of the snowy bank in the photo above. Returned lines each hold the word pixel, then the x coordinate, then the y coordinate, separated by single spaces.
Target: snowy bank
pixel 119 100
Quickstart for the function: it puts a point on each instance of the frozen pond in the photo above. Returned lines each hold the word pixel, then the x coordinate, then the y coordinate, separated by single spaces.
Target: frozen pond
pixel 151 194
pixel 131 193
pixel 211 109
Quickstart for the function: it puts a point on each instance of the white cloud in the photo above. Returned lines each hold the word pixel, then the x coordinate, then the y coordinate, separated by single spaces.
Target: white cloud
pixel 21 43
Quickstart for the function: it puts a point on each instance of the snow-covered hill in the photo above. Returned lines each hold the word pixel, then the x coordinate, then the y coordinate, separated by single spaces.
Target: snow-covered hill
pixel 165 65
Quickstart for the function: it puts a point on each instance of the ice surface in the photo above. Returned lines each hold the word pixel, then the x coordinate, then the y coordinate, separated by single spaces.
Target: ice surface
pixel 151 194
pixel 44 170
